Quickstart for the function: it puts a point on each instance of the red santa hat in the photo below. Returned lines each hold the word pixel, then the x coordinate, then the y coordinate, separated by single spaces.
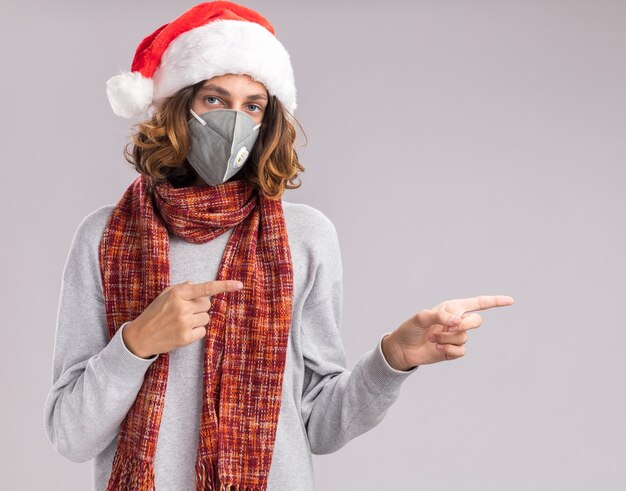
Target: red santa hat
pixel 209 39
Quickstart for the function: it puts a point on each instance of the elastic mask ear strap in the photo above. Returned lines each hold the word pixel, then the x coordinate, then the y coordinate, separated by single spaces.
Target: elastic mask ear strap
pixel 198 117
pixel 257 126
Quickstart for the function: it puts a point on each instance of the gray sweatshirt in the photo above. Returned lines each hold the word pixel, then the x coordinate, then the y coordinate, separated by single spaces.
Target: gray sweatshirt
pixel 95 380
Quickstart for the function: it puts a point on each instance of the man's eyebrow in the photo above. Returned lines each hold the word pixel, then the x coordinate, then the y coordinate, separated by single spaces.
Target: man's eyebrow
pixel 225 93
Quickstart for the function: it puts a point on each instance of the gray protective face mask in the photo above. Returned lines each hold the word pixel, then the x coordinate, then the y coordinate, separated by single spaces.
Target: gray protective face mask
pixel 221 140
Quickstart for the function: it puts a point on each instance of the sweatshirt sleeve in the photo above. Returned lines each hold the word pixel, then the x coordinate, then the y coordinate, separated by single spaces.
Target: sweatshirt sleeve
pixel 339 404
pixel 94 380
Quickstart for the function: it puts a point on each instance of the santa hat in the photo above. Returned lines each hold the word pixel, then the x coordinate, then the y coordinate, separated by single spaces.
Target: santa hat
pixel 209 39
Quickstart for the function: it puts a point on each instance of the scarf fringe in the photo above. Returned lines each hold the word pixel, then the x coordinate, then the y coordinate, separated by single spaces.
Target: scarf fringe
pixel 129 472
pixel 207 479
pixel 205 476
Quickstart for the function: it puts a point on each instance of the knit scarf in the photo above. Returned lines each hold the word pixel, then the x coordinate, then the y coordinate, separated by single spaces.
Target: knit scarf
pixel 246 342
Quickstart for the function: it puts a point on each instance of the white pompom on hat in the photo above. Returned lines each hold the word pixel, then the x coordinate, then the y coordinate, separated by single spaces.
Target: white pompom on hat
pixel 210 39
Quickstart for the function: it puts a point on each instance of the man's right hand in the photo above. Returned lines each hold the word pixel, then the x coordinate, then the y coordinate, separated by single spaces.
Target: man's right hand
pixel 177 317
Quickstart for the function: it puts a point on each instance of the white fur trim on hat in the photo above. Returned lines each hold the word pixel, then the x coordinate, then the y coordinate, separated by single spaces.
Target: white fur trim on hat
pixel 221 47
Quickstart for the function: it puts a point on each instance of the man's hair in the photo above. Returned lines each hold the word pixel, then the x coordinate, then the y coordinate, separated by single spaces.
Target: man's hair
pixel 159 147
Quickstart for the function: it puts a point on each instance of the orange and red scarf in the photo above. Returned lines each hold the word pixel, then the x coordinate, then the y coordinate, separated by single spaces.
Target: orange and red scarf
pixel 246 341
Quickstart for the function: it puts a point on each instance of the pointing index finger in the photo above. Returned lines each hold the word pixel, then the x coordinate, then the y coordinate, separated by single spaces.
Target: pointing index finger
pixel 484 302
pixel 210 288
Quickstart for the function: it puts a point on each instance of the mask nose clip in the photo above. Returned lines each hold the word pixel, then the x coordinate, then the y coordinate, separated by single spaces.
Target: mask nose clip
pixel 198 117
pixel 203 122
